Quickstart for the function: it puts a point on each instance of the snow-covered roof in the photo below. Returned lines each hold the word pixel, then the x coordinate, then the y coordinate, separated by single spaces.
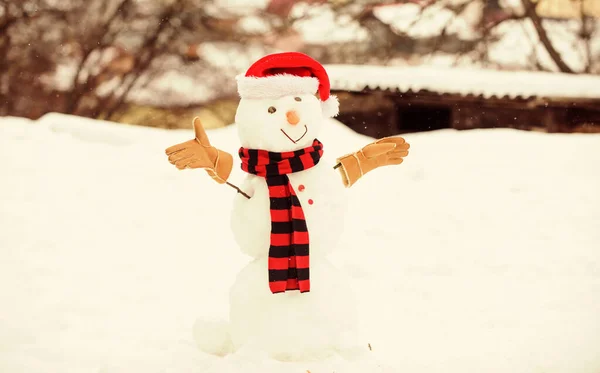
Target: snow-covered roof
pixel 462 81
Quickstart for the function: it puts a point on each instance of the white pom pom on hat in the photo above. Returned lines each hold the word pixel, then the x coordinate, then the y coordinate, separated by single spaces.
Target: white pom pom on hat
pixel 285 74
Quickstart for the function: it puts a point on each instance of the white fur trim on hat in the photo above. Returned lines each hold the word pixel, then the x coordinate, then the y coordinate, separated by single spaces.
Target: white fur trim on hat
pixel 275 86
pixel 330 107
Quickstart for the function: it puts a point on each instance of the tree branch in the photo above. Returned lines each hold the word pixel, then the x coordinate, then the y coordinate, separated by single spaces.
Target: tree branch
pixel 78 91
pixel 586 35
pixel 539 28
pixel 151 47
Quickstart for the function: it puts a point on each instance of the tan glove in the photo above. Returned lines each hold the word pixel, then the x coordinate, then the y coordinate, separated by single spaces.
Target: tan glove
pixel 383 152
pixel 199 153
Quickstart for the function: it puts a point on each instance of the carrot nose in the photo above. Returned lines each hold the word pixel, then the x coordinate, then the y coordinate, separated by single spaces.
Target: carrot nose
pixel 292 117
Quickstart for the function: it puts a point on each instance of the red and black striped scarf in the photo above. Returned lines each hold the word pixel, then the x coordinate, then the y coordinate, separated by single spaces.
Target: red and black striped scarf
pixel 288 251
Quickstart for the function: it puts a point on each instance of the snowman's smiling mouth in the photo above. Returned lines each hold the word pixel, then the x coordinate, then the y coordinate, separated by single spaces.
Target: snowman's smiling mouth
pixel 298 139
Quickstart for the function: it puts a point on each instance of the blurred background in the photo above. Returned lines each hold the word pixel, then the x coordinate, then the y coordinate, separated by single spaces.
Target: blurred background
pixel 397 66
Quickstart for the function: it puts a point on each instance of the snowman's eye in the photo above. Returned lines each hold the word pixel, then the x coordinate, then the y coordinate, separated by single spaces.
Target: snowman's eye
pixel 297 99
pixel 272 109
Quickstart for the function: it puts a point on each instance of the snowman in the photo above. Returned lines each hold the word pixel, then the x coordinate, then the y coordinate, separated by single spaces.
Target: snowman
pixel 289 302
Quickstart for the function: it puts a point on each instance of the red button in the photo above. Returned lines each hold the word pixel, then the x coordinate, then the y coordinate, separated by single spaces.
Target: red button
pixel 310 201
pixel 301 187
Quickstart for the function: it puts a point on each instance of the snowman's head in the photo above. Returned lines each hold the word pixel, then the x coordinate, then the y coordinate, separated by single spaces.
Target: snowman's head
pixel 284 100
pixel 279 124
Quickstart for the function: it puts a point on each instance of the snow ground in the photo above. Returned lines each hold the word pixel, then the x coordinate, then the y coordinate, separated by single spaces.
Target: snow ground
pixel 479 254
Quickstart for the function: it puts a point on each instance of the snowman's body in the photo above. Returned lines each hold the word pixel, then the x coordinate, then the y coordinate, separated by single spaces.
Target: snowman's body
pixel 290 325
pixel 322 198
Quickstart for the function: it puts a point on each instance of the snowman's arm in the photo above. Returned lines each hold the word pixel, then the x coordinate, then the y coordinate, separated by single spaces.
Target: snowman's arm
pixel 383 152
pixel 238 189
pixel 199 153
pixel 222 169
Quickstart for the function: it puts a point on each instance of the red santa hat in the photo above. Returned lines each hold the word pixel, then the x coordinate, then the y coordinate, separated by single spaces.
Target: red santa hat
pixel 286 74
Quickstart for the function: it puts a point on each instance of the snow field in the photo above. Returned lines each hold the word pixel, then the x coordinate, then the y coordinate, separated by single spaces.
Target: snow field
pixel 479 253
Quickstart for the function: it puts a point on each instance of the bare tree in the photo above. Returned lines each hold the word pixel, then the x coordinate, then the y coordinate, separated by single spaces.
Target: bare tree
pixel 106 47
pixel 390 43
pixel 21 62
pixel 89 57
